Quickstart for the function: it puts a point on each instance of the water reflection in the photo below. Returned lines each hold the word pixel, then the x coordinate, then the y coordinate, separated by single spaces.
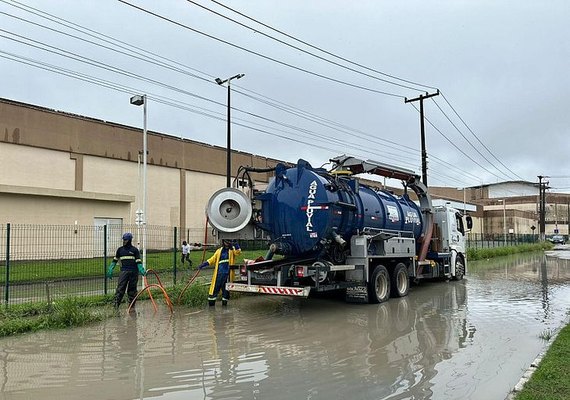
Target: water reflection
pixel 315 347
pixel 446 340
pixel 526 277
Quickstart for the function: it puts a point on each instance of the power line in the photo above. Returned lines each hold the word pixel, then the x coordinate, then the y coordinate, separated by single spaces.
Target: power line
pixel 467 140
pixel 113 41
pixel 479 140
pixel 259 54
pixel 142 54
pixel 454 145
pixel 300 49
pixel 77 57
pixel 347 129
pixel 321 49
pixel 113 69
pixel 362 66
pixel 89 61
pixel 95 63
pixel 159 99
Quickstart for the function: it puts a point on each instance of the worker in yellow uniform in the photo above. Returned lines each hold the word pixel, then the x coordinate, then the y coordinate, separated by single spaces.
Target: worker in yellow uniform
pixel 221 260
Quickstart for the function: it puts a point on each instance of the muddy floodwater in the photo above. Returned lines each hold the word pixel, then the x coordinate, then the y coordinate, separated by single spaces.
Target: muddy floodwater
pixel 447 340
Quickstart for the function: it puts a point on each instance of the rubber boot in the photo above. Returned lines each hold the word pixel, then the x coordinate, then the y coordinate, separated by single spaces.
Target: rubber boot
pixel 224 302
pixel 211 303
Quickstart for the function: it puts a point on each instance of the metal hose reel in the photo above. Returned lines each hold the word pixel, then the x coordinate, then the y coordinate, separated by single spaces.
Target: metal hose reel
pixel 229 210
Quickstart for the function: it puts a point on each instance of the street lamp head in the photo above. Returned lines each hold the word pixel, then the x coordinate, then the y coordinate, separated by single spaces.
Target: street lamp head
pixel 219 81
pixel 137 100
pixel 240 76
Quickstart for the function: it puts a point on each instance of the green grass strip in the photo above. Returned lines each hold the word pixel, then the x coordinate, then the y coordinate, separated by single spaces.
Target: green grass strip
pixel 41 270
pixel 482 254
pixel 64 313
pixel 551 380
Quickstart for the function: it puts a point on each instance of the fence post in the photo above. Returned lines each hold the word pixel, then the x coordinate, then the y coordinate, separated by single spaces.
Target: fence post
pixel 175 243
pixel 105 258
pixel 7 288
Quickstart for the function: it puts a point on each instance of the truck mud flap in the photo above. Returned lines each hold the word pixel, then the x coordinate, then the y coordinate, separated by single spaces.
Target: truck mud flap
pixel 262 289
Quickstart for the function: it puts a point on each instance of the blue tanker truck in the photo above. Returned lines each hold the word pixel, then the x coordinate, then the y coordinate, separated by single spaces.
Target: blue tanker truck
pixel 330 232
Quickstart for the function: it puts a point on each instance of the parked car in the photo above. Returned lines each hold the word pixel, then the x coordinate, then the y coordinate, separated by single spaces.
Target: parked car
pixel 558 239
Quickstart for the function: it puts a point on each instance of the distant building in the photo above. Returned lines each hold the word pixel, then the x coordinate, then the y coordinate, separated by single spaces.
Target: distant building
pixel 513 206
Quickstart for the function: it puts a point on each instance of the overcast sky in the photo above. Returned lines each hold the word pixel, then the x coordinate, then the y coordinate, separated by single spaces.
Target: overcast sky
pixel 502 68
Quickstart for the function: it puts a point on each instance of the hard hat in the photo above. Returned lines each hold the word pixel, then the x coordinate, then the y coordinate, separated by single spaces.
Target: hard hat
pixel 128 236
pixel 226 241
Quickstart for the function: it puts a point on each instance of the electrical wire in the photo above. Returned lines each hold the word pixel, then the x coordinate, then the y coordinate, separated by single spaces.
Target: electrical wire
pixel 477 137
pixel 300 49
pixel 339 81
pixel 454 145
pixel 145 57
pixel 158 99
pixel 321 49
pixel 107 67
pixel 346 60
pixel 201 97
pixel 95 34
pixel 135 55
pixel 467 140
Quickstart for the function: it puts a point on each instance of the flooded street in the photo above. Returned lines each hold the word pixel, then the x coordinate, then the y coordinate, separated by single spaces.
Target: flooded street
pixel 447 340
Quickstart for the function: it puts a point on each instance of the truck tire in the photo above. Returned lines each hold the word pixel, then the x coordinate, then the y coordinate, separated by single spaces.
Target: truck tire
pixel 379 285
pixel 459 269
pixel 400 281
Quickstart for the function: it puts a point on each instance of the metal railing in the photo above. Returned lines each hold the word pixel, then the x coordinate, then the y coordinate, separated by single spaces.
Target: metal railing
pixel 45 262
pixel 482 241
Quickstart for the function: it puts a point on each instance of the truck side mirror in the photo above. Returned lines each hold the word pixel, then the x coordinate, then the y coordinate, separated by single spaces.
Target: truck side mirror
pixel 469 221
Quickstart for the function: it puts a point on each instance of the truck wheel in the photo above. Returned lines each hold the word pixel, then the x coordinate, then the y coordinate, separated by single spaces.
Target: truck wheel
pixel 379 285
pixel 400 281
pixel 459 270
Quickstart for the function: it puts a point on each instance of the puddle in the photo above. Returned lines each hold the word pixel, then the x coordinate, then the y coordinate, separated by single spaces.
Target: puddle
pixel 446 340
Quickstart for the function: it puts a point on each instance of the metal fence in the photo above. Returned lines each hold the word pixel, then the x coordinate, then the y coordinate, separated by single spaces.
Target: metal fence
pixel 43 262
pixel 481 241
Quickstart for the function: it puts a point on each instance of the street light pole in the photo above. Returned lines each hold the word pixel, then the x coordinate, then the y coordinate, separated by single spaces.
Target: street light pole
pixel 137 101
pixel 229 129
pixel 504 222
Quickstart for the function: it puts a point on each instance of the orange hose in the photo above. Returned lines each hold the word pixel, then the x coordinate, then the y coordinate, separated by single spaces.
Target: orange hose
pixel 168 302
pixel 145 283
pixel 187 285
pixel 147 287
pixel 205 239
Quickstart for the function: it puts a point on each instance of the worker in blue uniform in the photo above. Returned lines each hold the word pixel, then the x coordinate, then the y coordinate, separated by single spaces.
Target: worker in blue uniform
pixel 221 260
pixel 131 266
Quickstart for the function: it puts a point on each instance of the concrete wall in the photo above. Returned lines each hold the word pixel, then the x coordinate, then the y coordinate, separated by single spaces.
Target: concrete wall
pixel 36 167
pixel 512 189
pixel 95 167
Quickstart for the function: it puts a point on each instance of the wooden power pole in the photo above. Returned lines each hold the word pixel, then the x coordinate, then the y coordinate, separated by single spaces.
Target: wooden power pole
pixel 422 130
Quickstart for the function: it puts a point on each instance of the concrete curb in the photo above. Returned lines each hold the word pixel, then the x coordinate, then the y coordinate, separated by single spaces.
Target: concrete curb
pixel 534 365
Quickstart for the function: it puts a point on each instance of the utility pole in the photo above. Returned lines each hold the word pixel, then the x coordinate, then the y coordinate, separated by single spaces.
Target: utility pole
pixel 422 130
pixel 542 207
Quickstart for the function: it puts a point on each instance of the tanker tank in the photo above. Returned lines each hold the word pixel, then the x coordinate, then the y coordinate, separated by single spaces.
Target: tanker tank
pixel 304 208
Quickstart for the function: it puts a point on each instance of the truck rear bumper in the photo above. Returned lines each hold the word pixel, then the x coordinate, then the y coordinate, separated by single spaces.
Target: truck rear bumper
pixel 262 289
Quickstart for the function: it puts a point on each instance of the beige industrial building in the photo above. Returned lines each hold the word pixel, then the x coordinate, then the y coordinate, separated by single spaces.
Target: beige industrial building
pixel 65 169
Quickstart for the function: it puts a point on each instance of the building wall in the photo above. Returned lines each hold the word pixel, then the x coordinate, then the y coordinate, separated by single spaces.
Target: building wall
pixel 511 189
pixel 57 209
pixel 36 167
pixel 96 164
